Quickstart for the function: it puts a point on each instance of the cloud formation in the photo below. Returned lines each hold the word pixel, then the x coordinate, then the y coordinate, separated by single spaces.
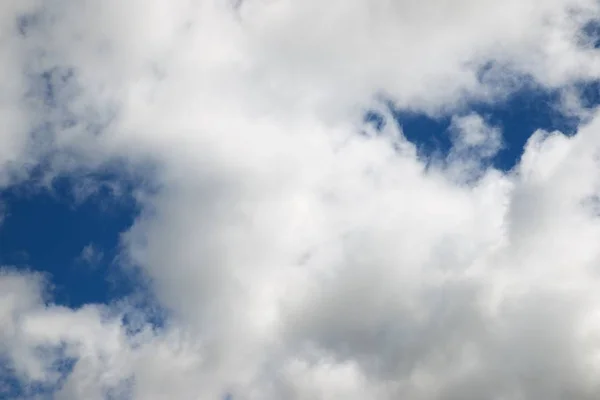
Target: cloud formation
pixel 298 253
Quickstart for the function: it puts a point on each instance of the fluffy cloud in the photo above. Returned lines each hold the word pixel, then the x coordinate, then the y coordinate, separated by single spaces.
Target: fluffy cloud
pixel 296 257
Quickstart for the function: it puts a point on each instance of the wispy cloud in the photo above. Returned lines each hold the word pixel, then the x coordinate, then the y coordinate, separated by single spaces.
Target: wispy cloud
pixel 90 255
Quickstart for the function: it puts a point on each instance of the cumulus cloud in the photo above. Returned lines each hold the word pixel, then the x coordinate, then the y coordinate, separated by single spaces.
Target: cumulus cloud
pixel 296 257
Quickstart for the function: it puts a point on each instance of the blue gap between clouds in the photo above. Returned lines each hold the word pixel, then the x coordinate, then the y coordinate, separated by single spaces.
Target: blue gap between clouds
pixel 46 231
pixel 519 116
pixel 591 34
pixel 12 388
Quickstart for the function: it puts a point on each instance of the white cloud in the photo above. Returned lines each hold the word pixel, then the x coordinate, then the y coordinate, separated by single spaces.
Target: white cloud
pixel 297 258
pixel 90 255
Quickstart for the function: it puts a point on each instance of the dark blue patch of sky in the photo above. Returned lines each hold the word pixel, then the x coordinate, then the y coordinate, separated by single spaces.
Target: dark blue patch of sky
pixel 47 230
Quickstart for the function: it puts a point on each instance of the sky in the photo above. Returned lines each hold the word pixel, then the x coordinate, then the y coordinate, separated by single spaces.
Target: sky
pixel 304 200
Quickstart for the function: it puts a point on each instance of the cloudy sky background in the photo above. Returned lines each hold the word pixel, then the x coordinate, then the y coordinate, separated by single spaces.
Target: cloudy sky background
pixel 282 199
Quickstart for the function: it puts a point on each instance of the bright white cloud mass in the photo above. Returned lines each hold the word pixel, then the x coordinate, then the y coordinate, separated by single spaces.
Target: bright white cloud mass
pixel 298 253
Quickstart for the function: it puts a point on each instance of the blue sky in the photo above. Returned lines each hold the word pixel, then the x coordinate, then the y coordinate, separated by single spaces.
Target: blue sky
pixel 47 231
